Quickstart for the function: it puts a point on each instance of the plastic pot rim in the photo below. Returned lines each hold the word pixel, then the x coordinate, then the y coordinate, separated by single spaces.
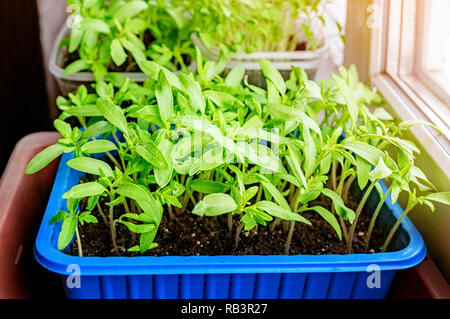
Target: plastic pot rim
pixel 292 56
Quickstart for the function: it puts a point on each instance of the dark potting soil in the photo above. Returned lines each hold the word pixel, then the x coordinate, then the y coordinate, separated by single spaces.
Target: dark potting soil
pixel 188 235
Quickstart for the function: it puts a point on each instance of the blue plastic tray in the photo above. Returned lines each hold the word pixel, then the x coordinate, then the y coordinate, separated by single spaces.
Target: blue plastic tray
pixel 297 276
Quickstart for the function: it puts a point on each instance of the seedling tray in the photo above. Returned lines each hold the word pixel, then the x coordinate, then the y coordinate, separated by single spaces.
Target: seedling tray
pixel 245 277
pixel 70 83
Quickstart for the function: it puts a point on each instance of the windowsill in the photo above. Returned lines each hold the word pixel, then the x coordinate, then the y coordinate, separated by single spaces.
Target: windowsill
pixel 435 144
pixel 439 83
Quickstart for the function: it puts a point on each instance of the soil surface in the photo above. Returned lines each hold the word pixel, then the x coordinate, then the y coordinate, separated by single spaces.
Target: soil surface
pixel 188 235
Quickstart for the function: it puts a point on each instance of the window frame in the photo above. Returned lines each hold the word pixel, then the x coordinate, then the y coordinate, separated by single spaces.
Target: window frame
pixel 433 80
pixel 396 70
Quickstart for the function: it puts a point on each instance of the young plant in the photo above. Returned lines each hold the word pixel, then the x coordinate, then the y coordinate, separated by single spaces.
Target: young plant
pixel 70 221
pixel 413 201
pixel 123 35
pixel 248 26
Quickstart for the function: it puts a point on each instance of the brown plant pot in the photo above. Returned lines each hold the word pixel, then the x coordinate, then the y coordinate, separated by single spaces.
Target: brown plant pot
pixel 424 281
pixel 22 202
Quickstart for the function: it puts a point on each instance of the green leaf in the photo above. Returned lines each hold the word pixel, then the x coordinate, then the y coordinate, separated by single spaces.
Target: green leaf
pixel 144 199
pixel 113 113
pixel 271 73
pixel 152 68
pixel 178 16
pixel 380 171
pixel 236 195
pixel 260 155
pixel 146 241
pixel 67 232
pixel 293 161
pixel 362 171
pixel 418 174
pixel 349 98
pixel 163 175
pixel 137 192
pixel 96 129
pixel 329 218
pixel 253 125
pixel 64 128
pixel 249 193
pixel 381 114
pixel 43 158
pixel 249 221
pixel 193 91
pixel 84 111
pixel 364 150
pixel 216 67
pixel 90 165
pixel 201 124
pixel 429 204
pixel 58 217
pixel 309 195
pixel 325 164
pixel 130 10
pixel 261 134
pixel 164 97
pixel 92 201
pixel 98 146
pixel 149 113
pixel 273 96
pixel 76 66
pixel 235 77
pixel 85 190
pixel 138 228
pixel 87 217
pixel 239 177
pixel 407 124
pixel 99 70
pixel 72 205
pixel 309 152
pixel 313 90
pixel 280 212
pixel 339 205
pixel 279 198
pixel 289 178
pixel 214 205
pixel 221 99
pixel 143 217
pixel 289 113
pixel 152 154
pixel 208 187
pixel 94 25
pixel 442 197
pixel 75 38
pixel 118 53
pixel 137 248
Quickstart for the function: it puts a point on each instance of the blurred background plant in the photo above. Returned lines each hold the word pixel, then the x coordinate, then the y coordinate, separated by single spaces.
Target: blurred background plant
pixel 251 25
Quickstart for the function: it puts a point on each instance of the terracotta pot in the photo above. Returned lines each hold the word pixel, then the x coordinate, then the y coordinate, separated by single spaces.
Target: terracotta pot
pixel 22 202
pixel 424 281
